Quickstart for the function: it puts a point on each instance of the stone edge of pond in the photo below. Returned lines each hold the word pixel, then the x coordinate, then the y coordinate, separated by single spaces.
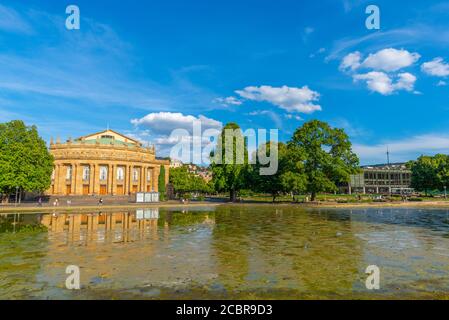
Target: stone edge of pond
pixel 31 210
pixel 25 210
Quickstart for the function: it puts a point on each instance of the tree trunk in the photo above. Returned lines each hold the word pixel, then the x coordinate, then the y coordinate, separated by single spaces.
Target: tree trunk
pixel 274 198
pixel 313 197
pixel 233 196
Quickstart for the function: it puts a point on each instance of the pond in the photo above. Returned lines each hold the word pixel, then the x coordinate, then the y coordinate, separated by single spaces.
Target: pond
pixel 226 252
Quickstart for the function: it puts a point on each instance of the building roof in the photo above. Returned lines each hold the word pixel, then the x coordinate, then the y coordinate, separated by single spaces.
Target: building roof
pixel 108 141
pixel 109 137
pixel 391 166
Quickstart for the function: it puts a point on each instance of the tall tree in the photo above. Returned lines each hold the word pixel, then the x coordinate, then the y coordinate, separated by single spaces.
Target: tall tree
pixel 268 183
pixel 427 172
pixel 184 181
pixel 229 161
pixel 180 179
pixel 161 184
pixel 328 156
pixel 289 177
pixel 442 163
pixel 25 162
pixel 293 177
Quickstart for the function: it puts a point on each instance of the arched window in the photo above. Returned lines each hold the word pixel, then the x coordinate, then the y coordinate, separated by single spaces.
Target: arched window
pixel 120 173
pixel 69 173
pixel 86 173
pixel 103 173
pixel 149 175
pixel 136 175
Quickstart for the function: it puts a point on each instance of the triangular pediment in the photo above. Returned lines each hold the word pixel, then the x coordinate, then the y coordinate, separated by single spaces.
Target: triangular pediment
pixel 109 134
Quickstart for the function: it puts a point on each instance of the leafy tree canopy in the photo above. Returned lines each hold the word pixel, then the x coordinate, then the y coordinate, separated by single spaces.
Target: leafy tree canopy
pixel 229 162
pixel 430 172
pixel 184 181
pixel 25 161
pixel 327 154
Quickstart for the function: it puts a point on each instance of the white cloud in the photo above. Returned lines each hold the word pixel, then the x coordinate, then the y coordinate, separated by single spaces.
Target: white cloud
pixel 390 60
pixel 288 98
pixel 166 122
pixel 437 67
pixel 291 117
pixel 351 61
pixel 382 83
pixel 377 81
pixel 404 149
pixel 229 101
pixel 319 51
pixel 406 82
pixel 441 83
pixel 384 77
pixel 160 129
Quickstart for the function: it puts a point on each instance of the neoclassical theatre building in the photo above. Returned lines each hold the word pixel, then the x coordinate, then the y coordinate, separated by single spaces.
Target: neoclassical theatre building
pixel 104 163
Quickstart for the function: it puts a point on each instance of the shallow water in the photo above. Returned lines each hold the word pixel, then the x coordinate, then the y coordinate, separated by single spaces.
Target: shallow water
pixel 225 252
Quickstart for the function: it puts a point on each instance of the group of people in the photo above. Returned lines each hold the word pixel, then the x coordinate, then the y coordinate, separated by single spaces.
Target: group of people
pixel 69 202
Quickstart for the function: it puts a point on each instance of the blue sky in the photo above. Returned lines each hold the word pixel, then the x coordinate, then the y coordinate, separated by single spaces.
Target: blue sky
pixel 147 67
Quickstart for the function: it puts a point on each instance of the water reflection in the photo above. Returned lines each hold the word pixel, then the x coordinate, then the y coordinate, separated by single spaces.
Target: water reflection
pixel 85 229
pixel 227 252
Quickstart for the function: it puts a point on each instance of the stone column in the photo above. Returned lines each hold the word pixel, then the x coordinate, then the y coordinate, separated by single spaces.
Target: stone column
pixel 91 178
pixel 79 179
pixel 156 172
pixel 142 179
pixel 97 179
pixel 73 180
pixel 62 176
pixel 145 181
pixel 114 180
pixel 110 176
pixel 56 181
pixel 125 180
pixel 131 178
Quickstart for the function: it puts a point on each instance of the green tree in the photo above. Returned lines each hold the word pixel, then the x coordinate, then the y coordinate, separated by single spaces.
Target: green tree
pixel 429 172
pixel 229 161
pixel 180 179
pixel 161 184
pixel 442 163
pixel 289 177
pixel 25 162
pixel 328 156
pixel 184 181
pixel 293 177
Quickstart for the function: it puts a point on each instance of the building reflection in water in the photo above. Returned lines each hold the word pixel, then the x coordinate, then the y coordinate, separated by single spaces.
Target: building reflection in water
pixel 104 227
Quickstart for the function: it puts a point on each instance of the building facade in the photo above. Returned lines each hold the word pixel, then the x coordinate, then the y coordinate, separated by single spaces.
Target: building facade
pixel 104 163
pixel 381 179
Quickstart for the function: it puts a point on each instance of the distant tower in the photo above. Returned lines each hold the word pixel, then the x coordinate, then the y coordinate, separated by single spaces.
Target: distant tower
pixel 388 156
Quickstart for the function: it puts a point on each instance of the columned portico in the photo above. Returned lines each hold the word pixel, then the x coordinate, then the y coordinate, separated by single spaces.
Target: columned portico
pixel 106 163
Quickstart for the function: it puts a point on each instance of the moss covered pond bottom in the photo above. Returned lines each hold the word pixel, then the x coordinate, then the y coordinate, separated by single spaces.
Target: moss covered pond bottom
pixel 226 252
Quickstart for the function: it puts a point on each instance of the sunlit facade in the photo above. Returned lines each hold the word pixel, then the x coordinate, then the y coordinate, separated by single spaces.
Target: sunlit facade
pixel 105 163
